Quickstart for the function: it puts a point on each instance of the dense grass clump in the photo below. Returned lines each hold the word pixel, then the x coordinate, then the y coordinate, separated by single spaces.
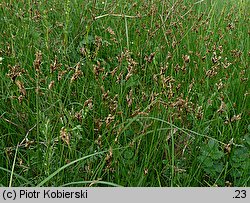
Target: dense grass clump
pixel 129 93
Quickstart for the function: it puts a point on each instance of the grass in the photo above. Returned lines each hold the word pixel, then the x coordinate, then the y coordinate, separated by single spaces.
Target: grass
pixel 124 93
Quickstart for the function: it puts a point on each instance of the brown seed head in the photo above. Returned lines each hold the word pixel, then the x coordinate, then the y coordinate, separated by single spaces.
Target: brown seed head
pixel 65 136
pixel 38 61
pixel 21 87
pixel 186 58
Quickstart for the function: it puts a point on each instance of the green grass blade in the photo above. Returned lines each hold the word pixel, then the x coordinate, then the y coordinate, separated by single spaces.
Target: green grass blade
pixel 92 183
pixel 16 175
pixel 13 166
pixel 69 164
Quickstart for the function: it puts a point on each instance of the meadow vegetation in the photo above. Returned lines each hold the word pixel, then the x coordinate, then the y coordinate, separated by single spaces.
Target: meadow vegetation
pixel 124 93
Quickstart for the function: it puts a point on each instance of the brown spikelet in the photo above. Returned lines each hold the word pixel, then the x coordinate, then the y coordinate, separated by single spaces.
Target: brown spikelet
pixel 109 120
pixel 236 118
pixel 51 84
pixel 227 148
pixel 97 69
pixel 144 96
pixel 21 87
pixel 199 113
pixel 110 31
pixel 119 77
pixel 113 72
pixel 222 107
pixel 150 58
pixel 169 56
pixel 38 61
pixel 20 98
pixel 99 140
pixel 105 94
pixel 78 116
pixel 89 103
pixel 15 71
pixel 65 135
pixel 78 73
pixel 60 74
pixel 219 85
pixel 129 98
pixel 186 58
pixel 138 112
pixel 109 155
pixel 128 75
pixel 55 65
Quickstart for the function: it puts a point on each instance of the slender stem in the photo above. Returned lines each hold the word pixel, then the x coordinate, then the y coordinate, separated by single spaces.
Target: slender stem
pixel 13 166
pixel 126 27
